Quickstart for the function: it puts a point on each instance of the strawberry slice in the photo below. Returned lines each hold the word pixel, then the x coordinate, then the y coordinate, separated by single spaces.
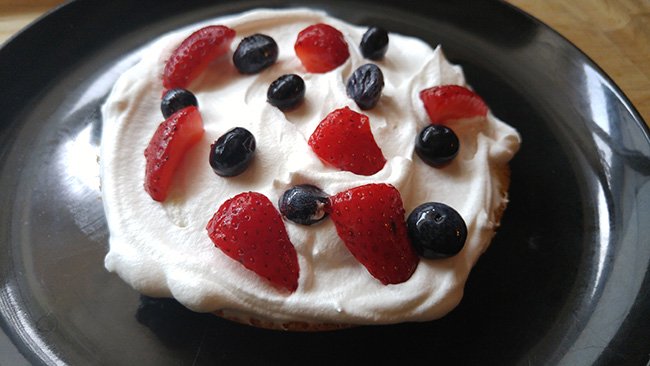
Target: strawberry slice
pixel 321 48
pixel 165 151
pixel 248 229
pixel 344 140
pixel 194 55
pixel 370 221
pixel 449 102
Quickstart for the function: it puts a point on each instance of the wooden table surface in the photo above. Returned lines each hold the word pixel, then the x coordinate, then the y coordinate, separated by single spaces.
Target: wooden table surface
pixel 614 33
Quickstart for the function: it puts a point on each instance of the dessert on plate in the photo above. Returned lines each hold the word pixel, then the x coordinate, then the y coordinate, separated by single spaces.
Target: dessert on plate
pixel 288 170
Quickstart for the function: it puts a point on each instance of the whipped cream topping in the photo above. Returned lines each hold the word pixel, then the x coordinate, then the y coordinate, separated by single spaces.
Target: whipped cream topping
pixel 162 249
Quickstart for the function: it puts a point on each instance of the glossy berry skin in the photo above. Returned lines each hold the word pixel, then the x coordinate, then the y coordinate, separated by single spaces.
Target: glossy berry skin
pixel 321 48
pixel 304 204
pixel 194 55
pixel 286 92
pixel 233 152
pixel 344 140
pixel 176 99
pixel 374 43
pixel 437 145
pixel 436 230
pixel 167 147
pixel 450 102
pixel 255 53
pixel 370 221
pixel 365 86
pixel 248 229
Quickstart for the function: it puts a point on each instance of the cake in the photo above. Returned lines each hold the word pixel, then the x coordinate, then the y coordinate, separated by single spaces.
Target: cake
pixel 177 245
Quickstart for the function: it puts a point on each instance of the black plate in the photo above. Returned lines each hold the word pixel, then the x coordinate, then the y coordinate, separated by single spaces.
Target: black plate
pixel 565 281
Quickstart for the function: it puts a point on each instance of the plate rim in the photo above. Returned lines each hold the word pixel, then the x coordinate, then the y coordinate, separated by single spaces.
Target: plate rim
pixel 35 27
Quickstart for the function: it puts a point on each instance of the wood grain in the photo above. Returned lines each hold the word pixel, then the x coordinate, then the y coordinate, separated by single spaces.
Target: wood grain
pixel 17 14
pixel 614 33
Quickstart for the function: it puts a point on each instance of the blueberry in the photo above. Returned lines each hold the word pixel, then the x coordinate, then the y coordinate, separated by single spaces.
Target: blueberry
pixel 436 145
pixel 255 53
pixel 286 92
pixel 365 85
pixel 436 230
pixel 374 43
pixel 232 153
pixel 303 204
pixel 176 99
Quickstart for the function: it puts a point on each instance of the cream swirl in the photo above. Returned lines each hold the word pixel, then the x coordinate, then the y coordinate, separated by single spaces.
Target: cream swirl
pixel 162 249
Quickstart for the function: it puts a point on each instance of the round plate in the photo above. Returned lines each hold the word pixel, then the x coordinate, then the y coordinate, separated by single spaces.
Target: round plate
pixel 564 282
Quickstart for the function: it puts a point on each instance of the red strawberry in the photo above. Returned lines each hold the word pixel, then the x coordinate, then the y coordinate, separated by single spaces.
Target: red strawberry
pixel 248 229
pixel 321 48
pixel 167 147
pixel 447 102
pixel 344 140
pixel 370 221
pixel 194 55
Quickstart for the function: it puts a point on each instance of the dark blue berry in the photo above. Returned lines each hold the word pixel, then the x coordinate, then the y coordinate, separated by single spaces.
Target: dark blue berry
pixel 365 86
pixel 232 153
pixel 286 92
pixel 436 230
pixel 255 53
pixel 436 145
pixel 303 204
pixel 374 43
pixel 176 99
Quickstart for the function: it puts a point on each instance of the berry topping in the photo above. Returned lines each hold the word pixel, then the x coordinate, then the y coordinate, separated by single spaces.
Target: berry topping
pixel 365 85
pixel 286 92
pixel 233 152
pixel 167 147
pixel 374 43
pixel 447 102
pixel 248 229
pixel 176 99
pixel 344 140
pixel 436 145
pixel 194 55
pixel 436 230
pixel 321 48
pixel 370 221
pixel 304 204
pixel 255 53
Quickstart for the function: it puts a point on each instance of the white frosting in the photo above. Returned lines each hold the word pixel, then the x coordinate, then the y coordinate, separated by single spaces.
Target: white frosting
pixel 162 249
